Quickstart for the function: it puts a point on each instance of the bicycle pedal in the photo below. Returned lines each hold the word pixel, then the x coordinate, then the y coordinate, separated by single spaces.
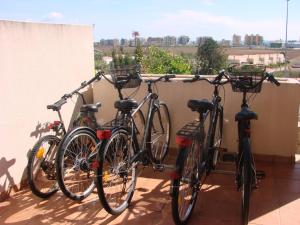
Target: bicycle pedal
pixel 260 174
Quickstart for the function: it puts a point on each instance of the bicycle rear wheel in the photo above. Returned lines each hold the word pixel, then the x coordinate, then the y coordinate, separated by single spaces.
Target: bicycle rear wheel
pixel 160 133
pixel 77 152
pixel 116 176
pixel 41 170
pixel 246 180
pixel 185 187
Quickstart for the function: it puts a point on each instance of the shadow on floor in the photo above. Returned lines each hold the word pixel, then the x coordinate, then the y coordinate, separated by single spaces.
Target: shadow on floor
pixel 275 202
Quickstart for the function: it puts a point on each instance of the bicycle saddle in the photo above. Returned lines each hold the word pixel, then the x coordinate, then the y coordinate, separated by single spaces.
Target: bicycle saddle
pixel 245 114
pixel 90 107
pixel 126 105
pixel 200 105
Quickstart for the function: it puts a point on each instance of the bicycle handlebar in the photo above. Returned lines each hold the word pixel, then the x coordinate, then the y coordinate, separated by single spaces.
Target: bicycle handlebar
pixel 57 105
pixel 216 81
pixel 272 79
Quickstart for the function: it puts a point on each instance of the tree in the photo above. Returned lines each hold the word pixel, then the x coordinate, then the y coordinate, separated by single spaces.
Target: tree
pixel 135 34
pixel 100 64
pixel 138 53
pixel 159 61
pixel 114 58
pixel 210 57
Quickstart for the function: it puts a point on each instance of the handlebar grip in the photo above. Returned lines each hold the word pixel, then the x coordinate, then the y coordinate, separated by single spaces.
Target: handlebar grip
pixel 275 81
pixel 272 79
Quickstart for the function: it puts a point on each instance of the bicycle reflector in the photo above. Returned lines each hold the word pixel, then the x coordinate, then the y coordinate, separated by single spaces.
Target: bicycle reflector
pixel 103 134
pixel 40 153
pixel 54 124
pixel 174 175
pixel 183 141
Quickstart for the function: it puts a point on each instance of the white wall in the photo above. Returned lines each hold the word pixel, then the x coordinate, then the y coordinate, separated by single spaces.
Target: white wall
pixel 38 64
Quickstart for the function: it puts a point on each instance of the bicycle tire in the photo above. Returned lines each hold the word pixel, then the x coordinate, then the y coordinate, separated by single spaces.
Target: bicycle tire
pixel 218 136
pixel 75 147
pixel 185 156
pixel 159 139
pixel 106 157
pixel 42 162
pixel 246 179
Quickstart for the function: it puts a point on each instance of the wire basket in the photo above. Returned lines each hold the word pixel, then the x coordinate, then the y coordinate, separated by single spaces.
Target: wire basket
pixel 131 73
pixel 247 78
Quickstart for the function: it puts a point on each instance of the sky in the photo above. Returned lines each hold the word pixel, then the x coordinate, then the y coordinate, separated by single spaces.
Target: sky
pixel 118 18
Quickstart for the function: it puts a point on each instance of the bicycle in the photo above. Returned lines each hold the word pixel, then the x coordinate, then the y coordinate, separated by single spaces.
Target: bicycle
pixel 41 170
pixel 198 150
pixel 120 152
pixel 247 79
pixel 76 158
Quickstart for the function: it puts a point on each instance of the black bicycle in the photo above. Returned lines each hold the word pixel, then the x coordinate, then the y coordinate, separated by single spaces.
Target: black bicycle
pixel 76 158
pixel 41 170
pixel 245 79
pixel 199 142
pixel 121 151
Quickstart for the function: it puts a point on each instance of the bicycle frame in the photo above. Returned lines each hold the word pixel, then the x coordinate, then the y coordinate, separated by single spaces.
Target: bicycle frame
pixel 152 98
pixel 139 149
pixel 244 130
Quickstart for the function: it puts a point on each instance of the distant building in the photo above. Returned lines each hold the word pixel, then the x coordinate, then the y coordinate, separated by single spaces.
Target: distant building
pixel 110 42
pixel 124 42
pixel 200 40
pixel 293 44
pixel 156 41
pixel 224 43
pixel 253 40
pixel 276 44
pixel 143 41
pixel 169 41
pixel 183 40
pixel 236 40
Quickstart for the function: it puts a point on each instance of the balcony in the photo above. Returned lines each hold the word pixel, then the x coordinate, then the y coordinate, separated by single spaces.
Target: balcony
pixel 274 142
pixel 39 79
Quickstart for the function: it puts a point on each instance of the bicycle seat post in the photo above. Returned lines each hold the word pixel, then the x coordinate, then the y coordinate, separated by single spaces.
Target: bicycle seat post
pixel 61 120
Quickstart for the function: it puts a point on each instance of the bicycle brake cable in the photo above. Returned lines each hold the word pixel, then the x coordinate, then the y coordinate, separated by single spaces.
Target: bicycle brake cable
pixel 133 94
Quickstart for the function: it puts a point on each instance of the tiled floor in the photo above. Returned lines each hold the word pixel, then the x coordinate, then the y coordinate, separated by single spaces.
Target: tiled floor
pixel 276 202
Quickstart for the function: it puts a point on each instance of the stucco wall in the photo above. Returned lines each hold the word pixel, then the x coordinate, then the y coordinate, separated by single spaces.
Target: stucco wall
pixel 38 64
pixel 274 133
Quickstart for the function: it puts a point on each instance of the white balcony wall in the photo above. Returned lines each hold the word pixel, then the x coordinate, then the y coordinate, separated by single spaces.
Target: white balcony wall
pixel 38 64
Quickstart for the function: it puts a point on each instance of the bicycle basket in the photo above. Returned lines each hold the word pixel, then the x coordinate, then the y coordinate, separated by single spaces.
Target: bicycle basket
pixel 245 78
pixel 131 73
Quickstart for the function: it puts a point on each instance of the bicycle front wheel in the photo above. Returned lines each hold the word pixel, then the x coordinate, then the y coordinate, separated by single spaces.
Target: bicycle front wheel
pixel 77 152
pixel 41 170
pixel 159 140
pixel 218 129
pixel 246 180
pixel 185 187
pixel 116 175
